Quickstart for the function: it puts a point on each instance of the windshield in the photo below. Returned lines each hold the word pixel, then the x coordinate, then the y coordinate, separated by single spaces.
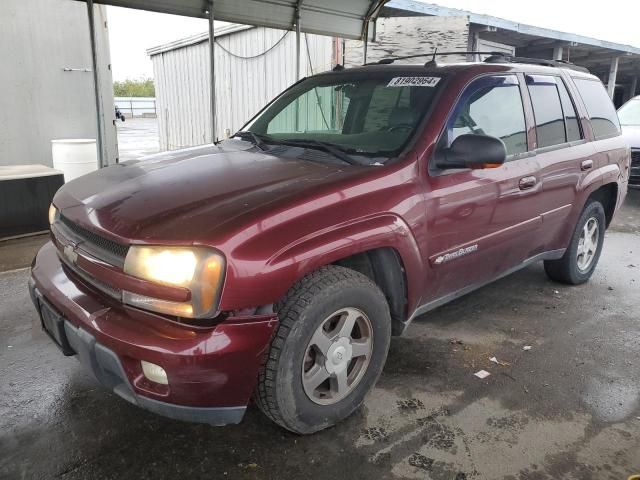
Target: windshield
pixel 629 113
pixel 370 117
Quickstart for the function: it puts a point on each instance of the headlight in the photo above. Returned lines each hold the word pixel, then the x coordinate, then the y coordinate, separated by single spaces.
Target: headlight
pixel 53 213
pixel 198 269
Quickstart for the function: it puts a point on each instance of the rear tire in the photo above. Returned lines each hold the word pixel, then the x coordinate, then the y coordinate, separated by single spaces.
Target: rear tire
pixel 581 257
pixel 328 351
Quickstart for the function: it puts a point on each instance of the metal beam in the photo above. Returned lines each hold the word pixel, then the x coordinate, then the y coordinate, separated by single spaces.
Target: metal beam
pixel 364 50
pixel 212 72
pixel 613 73
pixel 343 18
pixel 100 143
pixel 297 25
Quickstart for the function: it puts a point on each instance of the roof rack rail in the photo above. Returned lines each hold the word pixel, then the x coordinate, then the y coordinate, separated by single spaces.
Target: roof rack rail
pixel 494 57
pixel 389 60
pixel 500 57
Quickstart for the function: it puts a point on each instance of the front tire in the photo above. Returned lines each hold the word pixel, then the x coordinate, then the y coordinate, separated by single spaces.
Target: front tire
pixel 328 352
pixel 579 261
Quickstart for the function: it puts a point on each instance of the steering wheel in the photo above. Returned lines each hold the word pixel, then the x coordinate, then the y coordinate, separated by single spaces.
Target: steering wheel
pixel 405 126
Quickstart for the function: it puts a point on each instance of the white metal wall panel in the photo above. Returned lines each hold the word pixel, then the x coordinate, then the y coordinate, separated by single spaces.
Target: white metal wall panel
pixel 243 85
pixel 39 100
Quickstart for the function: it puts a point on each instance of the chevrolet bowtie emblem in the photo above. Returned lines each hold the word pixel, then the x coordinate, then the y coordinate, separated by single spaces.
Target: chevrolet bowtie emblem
pixel 70 254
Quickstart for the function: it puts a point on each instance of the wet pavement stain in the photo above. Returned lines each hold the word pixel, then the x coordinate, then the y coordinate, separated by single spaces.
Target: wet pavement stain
pixel 568 409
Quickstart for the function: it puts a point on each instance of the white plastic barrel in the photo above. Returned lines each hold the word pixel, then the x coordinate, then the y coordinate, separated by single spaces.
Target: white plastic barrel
pixel 74 156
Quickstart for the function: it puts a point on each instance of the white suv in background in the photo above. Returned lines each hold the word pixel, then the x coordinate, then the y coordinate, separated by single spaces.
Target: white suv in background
pixel 629 115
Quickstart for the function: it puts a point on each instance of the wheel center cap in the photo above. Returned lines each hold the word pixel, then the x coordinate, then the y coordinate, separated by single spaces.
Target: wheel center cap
pixel 338 355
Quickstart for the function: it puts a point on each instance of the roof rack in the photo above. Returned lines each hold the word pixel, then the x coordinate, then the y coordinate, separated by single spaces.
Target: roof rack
pixel 494 57
pixel 500 57
pixel 435 53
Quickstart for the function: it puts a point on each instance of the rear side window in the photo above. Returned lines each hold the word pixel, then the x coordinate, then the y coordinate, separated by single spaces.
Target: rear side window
pixel 604 119
pixel 547 109
pixel 570 115
pixel 556 118
pixel 491 106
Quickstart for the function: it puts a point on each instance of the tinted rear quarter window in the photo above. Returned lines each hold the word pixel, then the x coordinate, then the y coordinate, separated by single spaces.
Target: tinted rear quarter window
pixel 604 119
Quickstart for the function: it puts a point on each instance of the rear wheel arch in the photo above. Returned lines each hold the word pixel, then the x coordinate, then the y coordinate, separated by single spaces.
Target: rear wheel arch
pixel 607 195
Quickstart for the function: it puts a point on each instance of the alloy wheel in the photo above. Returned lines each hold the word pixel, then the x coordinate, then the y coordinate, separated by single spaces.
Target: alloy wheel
pixel 337 356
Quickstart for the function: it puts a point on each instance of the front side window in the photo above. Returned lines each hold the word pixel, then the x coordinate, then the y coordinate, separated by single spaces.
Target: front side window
pixel 604 119
pixel 370 116
pixel 547 109
pixel 629 113
pixel 491 106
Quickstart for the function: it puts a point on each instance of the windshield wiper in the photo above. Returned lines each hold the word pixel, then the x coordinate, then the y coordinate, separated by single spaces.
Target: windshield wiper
pixel 255 138
pixel 327 147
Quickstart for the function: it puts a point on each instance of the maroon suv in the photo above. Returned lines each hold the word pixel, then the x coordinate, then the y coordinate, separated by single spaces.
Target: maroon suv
pixel 278 264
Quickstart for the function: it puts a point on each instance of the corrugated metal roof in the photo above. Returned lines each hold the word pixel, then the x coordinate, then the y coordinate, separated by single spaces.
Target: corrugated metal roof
pixel 323 17
pixel 496 22
pixel 198 38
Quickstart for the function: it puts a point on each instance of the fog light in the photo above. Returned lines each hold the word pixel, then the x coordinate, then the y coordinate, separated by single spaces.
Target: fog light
pixel 154 372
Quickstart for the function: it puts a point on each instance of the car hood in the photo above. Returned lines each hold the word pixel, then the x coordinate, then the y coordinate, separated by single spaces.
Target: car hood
pixel 632 136
pixel 190 195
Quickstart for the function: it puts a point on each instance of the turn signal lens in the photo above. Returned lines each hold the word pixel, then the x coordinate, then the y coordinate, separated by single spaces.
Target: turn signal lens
pixel 198 269
pixel 53 213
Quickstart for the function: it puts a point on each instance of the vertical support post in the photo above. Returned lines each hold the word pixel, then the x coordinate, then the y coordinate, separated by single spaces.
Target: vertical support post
pixel 476 46
pixel 634 86
pixel 297 19
pixel 96 86
pixel 613 73
pixel 365 41
pixel 558 53
pixel 212 72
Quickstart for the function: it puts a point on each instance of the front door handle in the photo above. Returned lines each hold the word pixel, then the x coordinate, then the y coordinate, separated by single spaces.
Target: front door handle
pixel 586 165
pixel 526 183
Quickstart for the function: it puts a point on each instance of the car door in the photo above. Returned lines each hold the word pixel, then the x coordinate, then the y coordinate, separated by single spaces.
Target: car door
pixel 562 154
pixel 481 221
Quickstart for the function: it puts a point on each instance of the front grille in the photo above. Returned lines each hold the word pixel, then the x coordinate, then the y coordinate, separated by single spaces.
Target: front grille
pixel 634 177
pixel 92 281
pixel 102 248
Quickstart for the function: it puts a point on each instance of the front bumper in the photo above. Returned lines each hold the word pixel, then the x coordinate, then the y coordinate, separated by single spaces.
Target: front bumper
pixel 211 372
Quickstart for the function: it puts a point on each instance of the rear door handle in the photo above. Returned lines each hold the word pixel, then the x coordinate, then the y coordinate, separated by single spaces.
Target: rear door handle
pixel 586 165
pixel 526 183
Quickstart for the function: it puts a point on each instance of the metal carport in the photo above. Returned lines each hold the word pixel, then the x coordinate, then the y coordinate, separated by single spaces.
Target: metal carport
pixel 614 63
pixel 347 19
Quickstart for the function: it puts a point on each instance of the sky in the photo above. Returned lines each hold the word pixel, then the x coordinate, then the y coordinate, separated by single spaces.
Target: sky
pixel 132 32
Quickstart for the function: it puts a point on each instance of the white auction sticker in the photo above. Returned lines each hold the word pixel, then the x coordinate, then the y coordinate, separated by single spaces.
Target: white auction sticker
pixel 413 82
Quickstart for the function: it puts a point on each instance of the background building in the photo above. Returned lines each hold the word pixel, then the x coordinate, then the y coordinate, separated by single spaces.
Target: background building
pixel 46 80
pixel 254 64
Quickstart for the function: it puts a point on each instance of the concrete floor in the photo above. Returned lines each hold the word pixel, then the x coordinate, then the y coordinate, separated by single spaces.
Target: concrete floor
pixel 137 137
pixel 567 409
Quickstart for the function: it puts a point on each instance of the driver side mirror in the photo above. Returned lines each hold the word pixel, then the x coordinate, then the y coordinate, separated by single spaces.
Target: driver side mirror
pixel 472 151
